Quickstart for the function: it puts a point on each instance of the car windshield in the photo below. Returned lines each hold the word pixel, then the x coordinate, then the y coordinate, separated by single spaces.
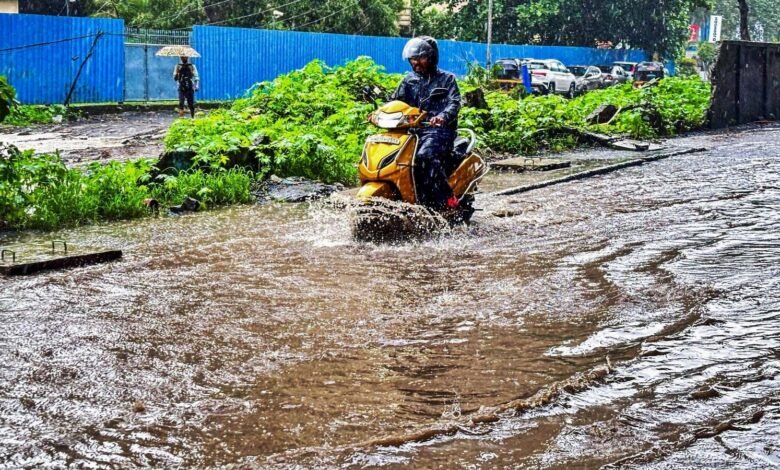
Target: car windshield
pixel 578 70
pixel 537 65
pixel 627 67
pixel 605 68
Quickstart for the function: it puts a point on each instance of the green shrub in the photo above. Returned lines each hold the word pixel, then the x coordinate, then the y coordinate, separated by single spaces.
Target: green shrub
pixel 40 192
pixel 311 122
pixel 7 98
pixel 25 115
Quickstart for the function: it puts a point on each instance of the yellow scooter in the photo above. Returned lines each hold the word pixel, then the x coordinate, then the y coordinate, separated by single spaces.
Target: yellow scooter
pixel 386 170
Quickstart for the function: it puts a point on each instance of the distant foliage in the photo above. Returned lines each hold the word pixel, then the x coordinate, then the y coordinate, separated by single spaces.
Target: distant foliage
pixel 687 67
pixel 25 115
pixel 370 17
pixel 652 25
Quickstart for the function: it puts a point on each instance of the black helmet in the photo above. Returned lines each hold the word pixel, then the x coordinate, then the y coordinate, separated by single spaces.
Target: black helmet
pixel 422 46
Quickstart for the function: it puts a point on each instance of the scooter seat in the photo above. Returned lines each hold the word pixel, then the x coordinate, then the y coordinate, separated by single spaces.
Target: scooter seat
pixel 460 146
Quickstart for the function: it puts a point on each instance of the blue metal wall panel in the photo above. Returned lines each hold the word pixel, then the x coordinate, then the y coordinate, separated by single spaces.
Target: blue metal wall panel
pixel 234 59
pixel 148 77
pixel 42 73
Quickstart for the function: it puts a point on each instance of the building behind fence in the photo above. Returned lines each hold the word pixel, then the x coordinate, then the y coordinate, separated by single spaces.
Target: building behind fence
pixel 41 56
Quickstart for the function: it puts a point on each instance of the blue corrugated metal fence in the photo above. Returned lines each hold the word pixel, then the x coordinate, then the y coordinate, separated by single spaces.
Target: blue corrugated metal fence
pixel 234 59
pixel 41 55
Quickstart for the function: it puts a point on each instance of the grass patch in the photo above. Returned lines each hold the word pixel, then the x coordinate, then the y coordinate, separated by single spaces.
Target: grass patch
pixel 40 192
pixel 26 115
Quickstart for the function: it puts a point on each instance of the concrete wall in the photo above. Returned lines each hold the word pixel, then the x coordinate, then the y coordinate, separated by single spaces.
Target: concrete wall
pixel 745 83
pixel 9 6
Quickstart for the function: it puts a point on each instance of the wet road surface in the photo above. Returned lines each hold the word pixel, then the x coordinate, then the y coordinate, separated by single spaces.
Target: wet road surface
pixel 124 136
pixel 264 337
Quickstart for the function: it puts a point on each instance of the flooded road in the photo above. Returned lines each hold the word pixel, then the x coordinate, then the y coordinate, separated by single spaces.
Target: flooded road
pixel 264 337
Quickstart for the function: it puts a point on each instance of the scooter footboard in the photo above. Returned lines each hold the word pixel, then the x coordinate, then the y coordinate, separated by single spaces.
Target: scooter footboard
pixel 376 189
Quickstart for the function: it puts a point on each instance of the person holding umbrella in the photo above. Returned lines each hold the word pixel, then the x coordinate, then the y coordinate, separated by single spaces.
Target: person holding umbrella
pixel 186 74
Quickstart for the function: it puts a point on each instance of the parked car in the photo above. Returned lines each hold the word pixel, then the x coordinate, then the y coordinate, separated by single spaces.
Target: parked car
pixel 613 75
pixel 628 67
pixel 646 71
pixel 587 78
pixel 554 76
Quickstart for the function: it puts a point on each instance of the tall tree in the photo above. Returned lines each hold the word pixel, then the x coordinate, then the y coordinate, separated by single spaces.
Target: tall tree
pixel 653 25
pixel 373 17
pixel 763 19
pixel 744 10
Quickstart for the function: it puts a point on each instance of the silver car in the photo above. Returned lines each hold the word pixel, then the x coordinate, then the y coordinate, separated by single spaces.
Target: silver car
pixel 613 75
pixel 587 78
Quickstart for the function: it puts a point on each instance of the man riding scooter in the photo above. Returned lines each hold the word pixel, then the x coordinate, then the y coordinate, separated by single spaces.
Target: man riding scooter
pixel 436 141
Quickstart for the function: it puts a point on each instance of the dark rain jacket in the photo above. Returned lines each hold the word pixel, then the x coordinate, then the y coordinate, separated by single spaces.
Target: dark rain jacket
pixel 415 89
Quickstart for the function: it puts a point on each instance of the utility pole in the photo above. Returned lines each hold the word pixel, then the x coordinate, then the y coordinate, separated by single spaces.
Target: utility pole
pixel 67 8
pixel 490 31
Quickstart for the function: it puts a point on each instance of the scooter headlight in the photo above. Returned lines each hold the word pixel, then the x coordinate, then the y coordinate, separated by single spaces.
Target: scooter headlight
pixel 390 120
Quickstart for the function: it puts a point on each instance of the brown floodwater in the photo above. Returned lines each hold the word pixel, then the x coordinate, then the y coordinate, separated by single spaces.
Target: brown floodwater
pixel 265 337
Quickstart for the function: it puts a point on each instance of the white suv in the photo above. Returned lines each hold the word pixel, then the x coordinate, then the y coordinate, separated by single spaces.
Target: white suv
pixel 554 75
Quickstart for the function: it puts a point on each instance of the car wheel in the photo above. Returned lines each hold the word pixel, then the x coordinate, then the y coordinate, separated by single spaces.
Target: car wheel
pixel 571 91
pixel 551 88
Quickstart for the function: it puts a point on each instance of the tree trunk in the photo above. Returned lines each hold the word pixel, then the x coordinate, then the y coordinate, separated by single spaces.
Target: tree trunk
pixel 744 32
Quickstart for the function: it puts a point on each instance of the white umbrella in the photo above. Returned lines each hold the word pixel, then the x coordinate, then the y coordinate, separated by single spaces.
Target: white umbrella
pixel 177 51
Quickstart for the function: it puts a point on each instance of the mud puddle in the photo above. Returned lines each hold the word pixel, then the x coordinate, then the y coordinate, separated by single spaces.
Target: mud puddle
pixel 99 138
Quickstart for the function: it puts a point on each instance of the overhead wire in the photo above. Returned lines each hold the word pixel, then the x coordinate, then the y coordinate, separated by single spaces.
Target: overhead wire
pixel 252 14
pixel 192 8
pixel 322 18
pixel 39 44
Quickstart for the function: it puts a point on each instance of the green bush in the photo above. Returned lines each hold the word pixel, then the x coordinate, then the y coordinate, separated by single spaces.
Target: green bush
pixel 7 98
pixel 311 122
pixel 25 115
pixel 40 192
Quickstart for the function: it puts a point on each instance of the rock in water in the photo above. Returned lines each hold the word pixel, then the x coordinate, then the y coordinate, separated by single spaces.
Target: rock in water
pixel 294 189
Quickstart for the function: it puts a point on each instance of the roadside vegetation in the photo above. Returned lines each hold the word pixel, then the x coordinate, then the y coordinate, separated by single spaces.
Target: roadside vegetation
pixel 40 192
pixel 13 113
pixel 312 123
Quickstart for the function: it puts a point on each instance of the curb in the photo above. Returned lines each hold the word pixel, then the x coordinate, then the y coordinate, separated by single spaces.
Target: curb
pixel 595 172
pixel 118 108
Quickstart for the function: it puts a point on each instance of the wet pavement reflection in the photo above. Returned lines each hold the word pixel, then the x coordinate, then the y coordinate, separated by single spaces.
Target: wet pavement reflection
pixel 263 336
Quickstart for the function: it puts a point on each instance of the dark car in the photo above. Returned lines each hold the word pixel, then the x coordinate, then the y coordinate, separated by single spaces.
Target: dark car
pixel 507 73
pixel 586 78
pixel 614 75
pixel 647 71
